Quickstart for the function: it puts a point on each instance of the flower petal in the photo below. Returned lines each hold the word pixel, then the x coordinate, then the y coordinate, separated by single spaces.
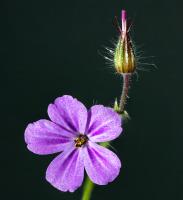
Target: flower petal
pixel 104 124
pixel 68 113
pixel 45 137
pixel 101 164
pixel 66 171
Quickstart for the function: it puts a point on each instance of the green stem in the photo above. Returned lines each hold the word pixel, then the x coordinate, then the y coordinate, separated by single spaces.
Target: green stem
pixel 88 185
pixel 88 188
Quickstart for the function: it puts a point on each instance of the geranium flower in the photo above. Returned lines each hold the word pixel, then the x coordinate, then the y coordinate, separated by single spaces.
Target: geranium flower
pixel 75 132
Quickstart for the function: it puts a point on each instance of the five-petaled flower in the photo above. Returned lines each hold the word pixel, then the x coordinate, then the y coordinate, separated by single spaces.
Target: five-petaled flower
pixel 75 132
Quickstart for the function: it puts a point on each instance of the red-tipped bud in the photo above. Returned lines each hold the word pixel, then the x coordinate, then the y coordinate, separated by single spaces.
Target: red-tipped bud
pixel 124 58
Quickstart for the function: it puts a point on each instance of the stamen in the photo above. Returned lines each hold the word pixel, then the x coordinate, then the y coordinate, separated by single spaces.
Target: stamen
pixel 80 140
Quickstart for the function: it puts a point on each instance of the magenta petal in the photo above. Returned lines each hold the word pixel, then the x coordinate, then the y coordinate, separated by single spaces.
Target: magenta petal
pixel 66 171
pixel 68 113
pixel 45 137
pixel 101 164
pixel 105 124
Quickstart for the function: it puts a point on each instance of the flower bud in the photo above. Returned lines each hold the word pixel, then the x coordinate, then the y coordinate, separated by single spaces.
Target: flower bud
pixel 124 58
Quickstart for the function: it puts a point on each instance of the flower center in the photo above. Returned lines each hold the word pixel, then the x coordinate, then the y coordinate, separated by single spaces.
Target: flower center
pixel 80 140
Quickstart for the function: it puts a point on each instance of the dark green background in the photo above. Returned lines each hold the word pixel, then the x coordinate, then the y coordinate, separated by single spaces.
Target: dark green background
pixel 51 48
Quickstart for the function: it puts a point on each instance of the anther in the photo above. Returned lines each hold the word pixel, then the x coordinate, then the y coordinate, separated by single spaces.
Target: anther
pixel 80 140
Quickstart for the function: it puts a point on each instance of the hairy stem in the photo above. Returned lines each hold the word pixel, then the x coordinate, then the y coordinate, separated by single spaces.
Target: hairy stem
pixel 124 94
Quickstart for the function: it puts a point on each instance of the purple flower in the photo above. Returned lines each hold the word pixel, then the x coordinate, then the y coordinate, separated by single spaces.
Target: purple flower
pixel 76 132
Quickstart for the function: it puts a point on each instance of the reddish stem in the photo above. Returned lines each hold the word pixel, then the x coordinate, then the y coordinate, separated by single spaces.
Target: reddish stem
pixel 124 94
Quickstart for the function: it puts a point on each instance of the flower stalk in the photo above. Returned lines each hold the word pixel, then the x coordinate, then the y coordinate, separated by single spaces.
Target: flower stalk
pixel 88 188
pixel 124 94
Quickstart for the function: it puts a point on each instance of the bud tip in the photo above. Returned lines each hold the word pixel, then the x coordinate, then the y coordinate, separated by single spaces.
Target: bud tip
pixel 123 20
